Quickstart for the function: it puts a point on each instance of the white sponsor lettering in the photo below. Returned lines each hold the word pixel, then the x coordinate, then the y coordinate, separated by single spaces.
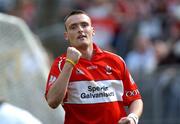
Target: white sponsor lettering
pixel 87 92
pixel 132 93
pixel 92 67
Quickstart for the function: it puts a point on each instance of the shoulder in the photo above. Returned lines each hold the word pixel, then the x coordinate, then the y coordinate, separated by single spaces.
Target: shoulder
pixel 114 59
pixel 113 56
pixel 58 60
pixel 58 63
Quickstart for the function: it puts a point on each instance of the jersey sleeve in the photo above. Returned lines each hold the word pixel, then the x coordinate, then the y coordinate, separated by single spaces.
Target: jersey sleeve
pixel 131 91
pixel 54 72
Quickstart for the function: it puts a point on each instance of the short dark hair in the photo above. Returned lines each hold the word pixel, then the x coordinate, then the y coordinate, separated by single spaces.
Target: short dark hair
pixel 74 12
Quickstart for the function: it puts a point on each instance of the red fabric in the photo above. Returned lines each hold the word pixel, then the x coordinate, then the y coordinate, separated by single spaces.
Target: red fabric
pixel 97 113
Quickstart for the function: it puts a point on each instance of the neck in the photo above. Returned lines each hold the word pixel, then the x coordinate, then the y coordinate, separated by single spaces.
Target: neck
pixel 87 53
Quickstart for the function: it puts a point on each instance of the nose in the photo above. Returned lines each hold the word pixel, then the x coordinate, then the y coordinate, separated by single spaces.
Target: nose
pixel 80 29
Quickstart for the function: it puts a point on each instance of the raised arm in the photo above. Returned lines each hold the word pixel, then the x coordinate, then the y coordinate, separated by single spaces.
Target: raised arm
pixel 58 90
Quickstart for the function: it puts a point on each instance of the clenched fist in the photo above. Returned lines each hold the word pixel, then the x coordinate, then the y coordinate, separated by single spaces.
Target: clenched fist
pixel 73 54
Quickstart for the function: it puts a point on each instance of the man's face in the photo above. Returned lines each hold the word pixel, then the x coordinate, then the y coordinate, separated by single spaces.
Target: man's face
pixel 79 31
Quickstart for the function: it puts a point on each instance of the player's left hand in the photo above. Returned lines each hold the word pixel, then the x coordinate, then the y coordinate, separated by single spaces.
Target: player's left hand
pixel 126 120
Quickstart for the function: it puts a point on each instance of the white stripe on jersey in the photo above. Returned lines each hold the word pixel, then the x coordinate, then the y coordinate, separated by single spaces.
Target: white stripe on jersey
pixel 89 92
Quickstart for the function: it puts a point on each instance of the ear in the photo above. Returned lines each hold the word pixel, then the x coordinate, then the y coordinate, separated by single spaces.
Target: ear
pixel 93 31
pixel 66 36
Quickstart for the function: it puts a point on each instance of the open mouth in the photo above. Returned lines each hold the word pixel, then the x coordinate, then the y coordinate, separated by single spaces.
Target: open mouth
pixel 81 36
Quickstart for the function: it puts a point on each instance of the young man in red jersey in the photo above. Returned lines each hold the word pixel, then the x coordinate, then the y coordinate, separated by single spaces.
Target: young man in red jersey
pixel 91 84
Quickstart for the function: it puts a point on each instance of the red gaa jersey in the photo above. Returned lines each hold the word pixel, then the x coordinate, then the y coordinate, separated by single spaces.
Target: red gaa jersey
pixel 98 89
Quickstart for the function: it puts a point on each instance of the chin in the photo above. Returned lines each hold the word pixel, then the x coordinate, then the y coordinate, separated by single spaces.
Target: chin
pixel 83 46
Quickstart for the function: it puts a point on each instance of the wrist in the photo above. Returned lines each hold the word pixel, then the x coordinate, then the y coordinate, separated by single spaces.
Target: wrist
pixel 134 117
pixel 71 62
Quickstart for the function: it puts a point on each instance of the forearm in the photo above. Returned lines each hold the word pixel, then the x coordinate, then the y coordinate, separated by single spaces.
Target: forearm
pixel 57 91
pixel 135 111
pixel 136 107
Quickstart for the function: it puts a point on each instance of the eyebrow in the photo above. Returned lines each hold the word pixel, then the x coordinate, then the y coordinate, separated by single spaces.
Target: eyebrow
pixel 83 22
pixel 73 24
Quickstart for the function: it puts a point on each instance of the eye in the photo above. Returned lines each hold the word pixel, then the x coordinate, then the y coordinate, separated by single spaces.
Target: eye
pixel 84 24
pixel 72 27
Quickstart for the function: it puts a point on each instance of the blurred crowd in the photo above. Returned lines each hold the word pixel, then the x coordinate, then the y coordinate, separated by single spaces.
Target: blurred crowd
pixel 146 33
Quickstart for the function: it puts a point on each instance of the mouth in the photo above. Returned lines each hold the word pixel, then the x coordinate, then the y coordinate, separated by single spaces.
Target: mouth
pixel 81 37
